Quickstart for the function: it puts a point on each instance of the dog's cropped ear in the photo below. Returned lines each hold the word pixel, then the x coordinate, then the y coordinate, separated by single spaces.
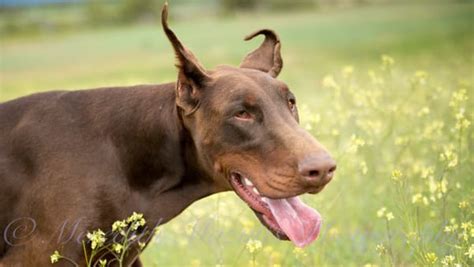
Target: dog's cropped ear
pixel 192 77
pixel 267 57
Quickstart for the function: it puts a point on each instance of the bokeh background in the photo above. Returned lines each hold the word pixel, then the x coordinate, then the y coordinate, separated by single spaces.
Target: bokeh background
pixel 385 85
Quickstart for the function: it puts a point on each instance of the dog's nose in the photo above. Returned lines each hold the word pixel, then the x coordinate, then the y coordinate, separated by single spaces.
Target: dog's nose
pixel 317 169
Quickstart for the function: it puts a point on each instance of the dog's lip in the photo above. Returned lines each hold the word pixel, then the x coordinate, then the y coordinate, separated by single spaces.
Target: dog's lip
pixel 253 199
pixel 272 195
pixel 316 190
pixel 271 225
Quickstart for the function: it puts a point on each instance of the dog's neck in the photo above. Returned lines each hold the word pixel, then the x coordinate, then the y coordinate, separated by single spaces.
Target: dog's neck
pixel 159 158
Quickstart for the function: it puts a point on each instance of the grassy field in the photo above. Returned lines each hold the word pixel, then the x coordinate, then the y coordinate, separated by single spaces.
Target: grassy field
pixel 388 89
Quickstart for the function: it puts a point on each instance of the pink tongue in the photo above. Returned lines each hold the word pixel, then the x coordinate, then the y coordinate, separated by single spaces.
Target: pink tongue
pixel 300 222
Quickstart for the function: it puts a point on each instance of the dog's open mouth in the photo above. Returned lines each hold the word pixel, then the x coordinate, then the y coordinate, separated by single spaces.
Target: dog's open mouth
pixel 286 218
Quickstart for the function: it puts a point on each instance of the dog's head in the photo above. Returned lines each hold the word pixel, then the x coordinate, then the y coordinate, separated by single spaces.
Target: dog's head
pixel 244 125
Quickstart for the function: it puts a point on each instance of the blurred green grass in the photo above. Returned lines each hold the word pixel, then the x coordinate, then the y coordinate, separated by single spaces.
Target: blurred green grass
pixel 314 43
pixel 436 38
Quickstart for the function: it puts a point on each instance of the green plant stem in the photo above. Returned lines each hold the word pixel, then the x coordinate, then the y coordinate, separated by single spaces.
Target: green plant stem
pixel 390 250
pixel 69 260
pixel 85 252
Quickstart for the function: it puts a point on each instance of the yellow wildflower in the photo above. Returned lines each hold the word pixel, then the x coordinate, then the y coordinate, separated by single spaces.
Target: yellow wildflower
pixel 416 198
pixel 431 257
pixel 449 156
pixel 347 71
pixel 461 121
pixel 458 98
pixel 117 247
pixel 333 231
pixel 396 175
pixel 424 111
pixel 387 62
pixel 420 77
pixel 253 245
pixel 448 260
pixel 195 263
pixel 381 212
pixel 374 78
pixel 412 236
pixel 119 227
pixel 470 252
pixel 381 250
pixel 300 253
pixel 463 204
pixel 390 216
pixel 55 257
pixel 355 143
pixel 189 228
pixel 363 167
pixel 97 238
pixel 329 82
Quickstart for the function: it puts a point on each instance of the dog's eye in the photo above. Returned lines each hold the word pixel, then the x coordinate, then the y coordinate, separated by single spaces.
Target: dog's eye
pixel 243 115
pixel 292 104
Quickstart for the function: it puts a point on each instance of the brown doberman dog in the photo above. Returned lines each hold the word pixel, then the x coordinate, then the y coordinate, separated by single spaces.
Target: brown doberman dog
pixel 79 160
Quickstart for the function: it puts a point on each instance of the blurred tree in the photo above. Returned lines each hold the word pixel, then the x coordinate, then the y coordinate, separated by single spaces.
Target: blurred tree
pixel 235 5
pixel 133 10
pixel 231 5
pixel 285 4
pixel 95 12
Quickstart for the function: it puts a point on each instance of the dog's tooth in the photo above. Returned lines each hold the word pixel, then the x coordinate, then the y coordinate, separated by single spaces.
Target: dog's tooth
pixel 248 182
pixel 255 191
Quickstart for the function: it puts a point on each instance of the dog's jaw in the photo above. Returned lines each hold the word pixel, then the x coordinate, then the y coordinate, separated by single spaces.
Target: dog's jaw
pixel 287 218
pixel 250 195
